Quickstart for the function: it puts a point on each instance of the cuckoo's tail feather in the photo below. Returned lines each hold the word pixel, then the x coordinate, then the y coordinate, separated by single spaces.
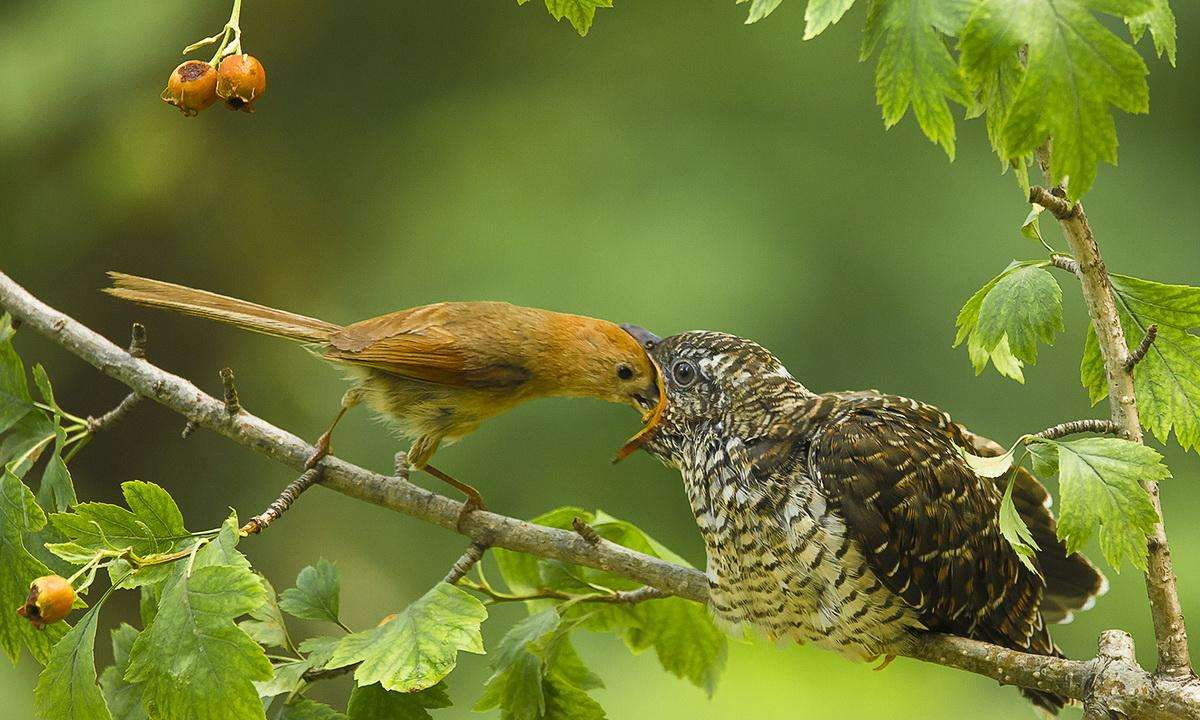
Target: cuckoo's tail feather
pixel 200 303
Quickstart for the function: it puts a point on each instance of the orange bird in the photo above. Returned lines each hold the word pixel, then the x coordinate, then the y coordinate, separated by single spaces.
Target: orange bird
pixel 440 370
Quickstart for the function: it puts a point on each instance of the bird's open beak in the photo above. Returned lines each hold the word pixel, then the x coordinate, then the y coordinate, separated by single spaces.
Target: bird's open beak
pixel 645 338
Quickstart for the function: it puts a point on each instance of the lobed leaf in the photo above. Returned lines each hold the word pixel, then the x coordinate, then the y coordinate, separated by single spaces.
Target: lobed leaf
pixel 372 702
pixel 1167 380
pixel 681 632
pixel 151 525
pixel 315 596
pixel 1160 21
pixel 1016 532
pixel 1076 70
pixel 67 689
pixel 124 699
pixel 915 68
pixel 580 13
pixel 15 401
pixel 820 14
pixel 20 514
pixel 193 661
pixel 1101 493
pixel 419 646
pixel 1004 320
pixel 305 709
pixel 759 9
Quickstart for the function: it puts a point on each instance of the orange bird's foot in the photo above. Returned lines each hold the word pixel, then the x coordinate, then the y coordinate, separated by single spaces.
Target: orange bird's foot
pixel 887 660
pixel 473 502
pixel 320 450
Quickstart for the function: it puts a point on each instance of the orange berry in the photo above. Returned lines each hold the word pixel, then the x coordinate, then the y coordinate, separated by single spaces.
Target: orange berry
pixel 50 600
pixel 241 79
pixel 192 87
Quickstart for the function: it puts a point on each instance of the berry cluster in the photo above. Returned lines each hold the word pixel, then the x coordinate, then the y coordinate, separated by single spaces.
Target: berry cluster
pixel 238 81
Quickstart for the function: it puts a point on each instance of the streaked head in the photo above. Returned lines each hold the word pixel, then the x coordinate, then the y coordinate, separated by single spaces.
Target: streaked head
pixel 713 382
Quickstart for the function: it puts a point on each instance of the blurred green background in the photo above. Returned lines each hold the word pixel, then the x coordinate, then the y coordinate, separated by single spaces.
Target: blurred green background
pixel 675 169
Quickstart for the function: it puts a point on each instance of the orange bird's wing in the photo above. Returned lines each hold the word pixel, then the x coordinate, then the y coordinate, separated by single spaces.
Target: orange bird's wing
pixel 435 343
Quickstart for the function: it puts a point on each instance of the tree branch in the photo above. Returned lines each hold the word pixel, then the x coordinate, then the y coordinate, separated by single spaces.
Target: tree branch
pixel 1143 697
pixel 1165 608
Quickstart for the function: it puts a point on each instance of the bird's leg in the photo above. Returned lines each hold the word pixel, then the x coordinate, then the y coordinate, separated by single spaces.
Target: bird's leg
pixel 473 502
pixel 352 397
pixel 887 660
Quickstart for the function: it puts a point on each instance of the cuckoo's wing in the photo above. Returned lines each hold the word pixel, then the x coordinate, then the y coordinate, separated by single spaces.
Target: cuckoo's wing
pixel 927 525
pixel 1072 582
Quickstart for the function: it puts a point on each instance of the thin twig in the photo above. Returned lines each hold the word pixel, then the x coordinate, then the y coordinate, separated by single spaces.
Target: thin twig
pixel 281 504
pixel 1058 207
pixel 137 340
pixel 1074 427
pixel 189 427
pixel 96 424
pixel 1064 262
pixel 1143 347
pixel 233 405
pixel 587 532
pixel 137 349
pixel 465 562
pixel 1145 697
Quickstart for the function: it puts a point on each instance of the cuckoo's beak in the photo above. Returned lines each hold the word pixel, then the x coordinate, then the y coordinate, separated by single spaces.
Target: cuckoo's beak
pixel 645 338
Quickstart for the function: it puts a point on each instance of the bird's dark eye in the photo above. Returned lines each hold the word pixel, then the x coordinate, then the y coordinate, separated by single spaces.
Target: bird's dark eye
pixel 683 372
pixel 624 371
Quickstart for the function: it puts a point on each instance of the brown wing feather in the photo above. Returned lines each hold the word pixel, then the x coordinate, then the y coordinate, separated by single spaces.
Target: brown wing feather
pixel 927 525
pixel 431 343
pixel 1072 582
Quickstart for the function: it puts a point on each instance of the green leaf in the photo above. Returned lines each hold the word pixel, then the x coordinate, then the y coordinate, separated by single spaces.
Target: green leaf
pixel 1016 532
pixel 537 673
pixel 15 401
pixel 915 67
pixel 67 688
pixel 288 677
pixel 267 627
pixel 1024 307
pixel 1076 69
pixel 759 9
pixel 372 702
pixel 20 514
pixel 27 440
pixel 682 633
pixel 580 13
pixel 319 650
pixel 1100 489
pixel 193 660
pixel 1160 21
pixel 820 14
pixel 418 647
pixel 153 524
pixel 567 702
pixel 305 709
pixel 124 699
pixel 683 636
pixel 315 596
pixel 1004 319
pixel 1167 380
pixel 56 492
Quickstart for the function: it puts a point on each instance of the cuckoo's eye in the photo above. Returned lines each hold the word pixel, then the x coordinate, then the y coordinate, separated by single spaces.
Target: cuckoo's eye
pixel 683 372
pixel 624 371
